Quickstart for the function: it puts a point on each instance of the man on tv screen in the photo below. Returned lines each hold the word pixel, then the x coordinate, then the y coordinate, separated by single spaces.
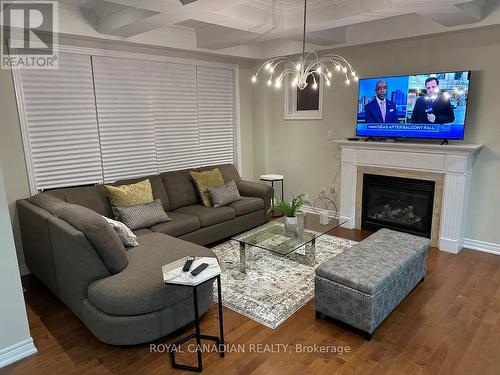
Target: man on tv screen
pixel 381 109
pixel 434 107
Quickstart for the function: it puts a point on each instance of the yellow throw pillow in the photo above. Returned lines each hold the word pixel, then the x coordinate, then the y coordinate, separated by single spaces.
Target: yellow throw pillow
pixel 206 179
pixel 126 195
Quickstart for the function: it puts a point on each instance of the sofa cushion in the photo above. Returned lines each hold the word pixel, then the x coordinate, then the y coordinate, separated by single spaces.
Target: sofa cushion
pixel 139 288
pixel 141 232
pixel 48 202
pixel 142 215
pixel 157 186
pixel 100 234
pixel 208 215
pixel 95 227
pixel 204 180
pixel 126 195
pixel 179 225
pixel 224 194
pixel 127 237
pixel 247 205
pixel 180 188
pixel 93 197
pixel 228 171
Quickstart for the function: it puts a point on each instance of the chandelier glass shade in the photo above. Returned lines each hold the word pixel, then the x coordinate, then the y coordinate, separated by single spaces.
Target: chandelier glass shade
pixel 310 64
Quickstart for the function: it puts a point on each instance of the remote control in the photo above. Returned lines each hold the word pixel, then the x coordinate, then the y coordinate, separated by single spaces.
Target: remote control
pixel 188 264
pixel 198 269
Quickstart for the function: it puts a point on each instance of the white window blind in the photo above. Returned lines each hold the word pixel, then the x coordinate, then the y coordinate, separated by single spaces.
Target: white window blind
pixel 100 119
pixel 216 114
pixel 61 125
pixel 125 116
pixel 175 115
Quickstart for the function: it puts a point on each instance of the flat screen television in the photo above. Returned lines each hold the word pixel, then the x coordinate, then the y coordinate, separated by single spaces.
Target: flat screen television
pixel 413 106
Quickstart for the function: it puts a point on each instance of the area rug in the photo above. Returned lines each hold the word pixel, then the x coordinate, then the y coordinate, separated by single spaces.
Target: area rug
pixel 274 286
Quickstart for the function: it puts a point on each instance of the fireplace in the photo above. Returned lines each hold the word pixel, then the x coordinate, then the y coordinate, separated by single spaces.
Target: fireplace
pixel 398 203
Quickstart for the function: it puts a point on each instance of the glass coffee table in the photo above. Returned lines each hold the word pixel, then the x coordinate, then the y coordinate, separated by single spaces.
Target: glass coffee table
pixel 273 237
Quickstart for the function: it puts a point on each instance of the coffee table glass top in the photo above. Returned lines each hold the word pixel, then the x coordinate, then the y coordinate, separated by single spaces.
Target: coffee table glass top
pixel 273 236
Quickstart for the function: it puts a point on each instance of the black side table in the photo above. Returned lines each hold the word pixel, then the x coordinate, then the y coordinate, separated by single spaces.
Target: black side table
pixel 272 178
pixel 208 275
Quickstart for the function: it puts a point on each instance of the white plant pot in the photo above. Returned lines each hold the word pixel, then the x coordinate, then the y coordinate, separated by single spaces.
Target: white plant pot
pixel 291 224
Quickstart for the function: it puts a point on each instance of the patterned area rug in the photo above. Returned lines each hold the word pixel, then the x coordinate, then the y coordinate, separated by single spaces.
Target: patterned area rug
pixel 274 286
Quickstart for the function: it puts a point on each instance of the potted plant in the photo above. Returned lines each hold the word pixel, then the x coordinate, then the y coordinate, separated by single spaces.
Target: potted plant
pixel 289 211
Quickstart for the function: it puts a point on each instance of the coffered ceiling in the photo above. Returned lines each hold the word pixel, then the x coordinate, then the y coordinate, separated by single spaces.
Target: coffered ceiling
pixel 263 28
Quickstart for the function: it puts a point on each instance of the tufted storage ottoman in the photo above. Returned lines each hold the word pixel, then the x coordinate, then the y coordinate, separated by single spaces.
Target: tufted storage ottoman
pixel 364 284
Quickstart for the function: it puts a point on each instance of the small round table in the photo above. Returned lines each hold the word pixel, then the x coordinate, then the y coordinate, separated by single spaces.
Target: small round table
pixel 272 178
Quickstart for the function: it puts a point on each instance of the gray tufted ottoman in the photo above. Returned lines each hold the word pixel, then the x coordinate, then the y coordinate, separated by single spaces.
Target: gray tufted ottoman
pixel 364 284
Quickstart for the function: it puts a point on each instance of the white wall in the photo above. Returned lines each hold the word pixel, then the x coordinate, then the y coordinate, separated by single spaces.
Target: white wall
pixel 15 339
pixel 302 152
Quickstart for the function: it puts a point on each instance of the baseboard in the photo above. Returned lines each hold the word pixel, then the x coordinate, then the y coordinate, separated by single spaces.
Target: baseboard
pixel 449 246
pixel 485 247
pixel 16 352
pixel 24 270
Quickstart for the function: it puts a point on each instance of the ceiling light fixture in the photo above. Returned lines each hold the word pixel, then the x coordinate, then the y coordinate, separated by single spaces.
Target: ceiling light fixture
pixel 307 65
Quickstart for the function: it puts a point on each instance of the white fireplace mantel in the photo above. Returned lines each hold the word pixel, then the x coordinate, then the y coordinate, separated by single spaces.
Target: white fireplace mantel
pixel 453 161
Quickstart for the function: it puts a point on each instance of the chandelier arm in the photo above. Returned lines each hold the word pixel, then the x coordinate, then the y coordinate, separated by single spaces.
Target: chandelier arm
pixel 283 60
pixel 335 59
pixel 311 65
pixel 273 64
pixel 284 73
pixel 341 58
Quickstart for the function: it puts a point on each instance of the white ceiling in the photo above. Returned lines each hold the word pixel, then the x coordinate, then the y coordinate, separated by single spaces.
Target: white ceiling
pixel 264 28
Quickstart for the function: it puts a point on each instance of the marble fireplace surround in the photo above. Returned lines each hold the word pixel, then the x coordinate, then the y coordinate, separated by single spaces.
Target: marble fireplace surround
pixel 450 166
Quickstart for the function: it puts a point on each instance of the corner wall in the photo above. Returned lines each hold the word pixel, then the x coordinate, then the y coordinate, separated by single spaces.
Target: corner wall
pixel 302 151
pixel 15 339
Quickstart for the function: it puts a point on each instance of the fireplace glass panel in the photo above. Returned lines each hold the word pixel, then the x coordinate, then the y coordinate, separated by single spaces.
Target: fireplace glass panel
pixel 397 203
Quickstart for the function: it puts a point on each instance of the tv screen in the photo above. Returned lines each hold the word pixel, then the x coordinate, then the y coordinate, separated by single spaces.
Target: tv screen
pixel 415 106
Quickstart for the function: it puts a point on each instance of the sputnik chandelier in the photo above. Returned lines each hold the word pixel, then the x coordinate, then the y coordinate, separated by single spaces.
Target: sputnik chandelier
pixel 280 67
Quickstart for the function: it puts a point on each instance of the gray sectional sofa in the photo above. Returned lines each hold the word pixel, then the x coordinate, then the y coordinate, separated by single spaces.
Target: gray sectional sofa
pixel 71 250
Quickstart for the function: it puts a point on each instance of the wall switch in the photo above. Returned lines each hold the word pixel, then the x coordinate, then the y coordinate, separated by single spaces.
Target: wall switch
pixel 331 135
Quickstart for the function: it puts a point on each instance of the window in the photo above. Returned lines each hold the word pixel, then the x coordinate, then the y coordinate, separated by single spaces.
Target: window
pixel 304 104
pixel 100 119
pixel 125 117
pixel 308 99
pixel 61 134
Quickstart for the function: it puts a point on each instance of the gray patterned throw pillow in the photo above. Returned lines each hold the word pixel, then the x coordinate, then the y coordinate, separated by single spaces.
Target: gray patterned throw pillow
pixel 224 194
pixel 142 215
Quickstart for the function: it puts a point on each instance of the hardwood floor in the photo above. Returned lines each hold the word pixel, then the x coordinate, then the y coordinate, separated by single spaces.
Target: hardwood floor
pixel 449 325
